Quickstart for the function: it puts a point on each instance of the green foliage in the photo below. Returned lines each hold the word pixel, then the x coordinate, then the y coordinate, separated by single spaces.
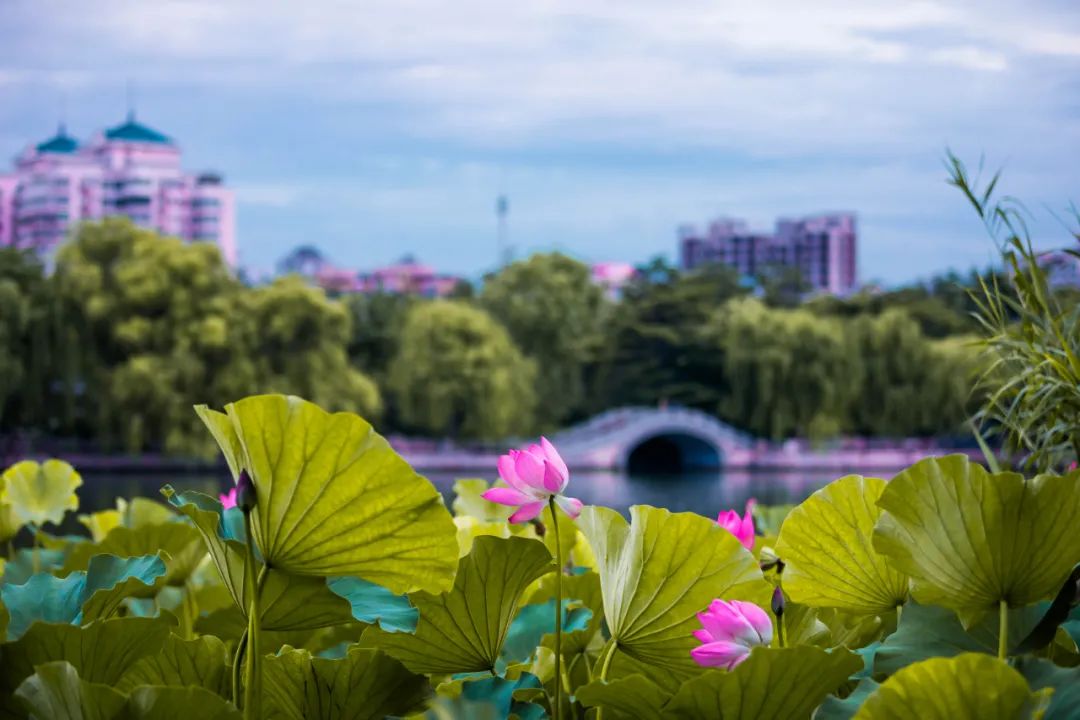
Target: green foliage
pixel 965 686
pixel 202 662
pixel 457 373
pixel 1031 338
pixel 194 608
pixel 970 540
pixel 81 596
pixel 788 371
pixel 364 684
pixel 927 631
pixel 826 546
pixel 463 630
pixel 555 315
pixel 773 684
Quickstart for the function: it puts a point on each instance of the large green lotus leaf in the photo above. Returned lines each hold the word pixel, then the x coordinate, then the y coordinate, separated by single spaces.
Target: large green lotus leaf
pixel 81 597
pixel 373 603
pixel 178 703
pixel 40 493
pixel 836 709
pixel 101 652
pixel 974 686
pixel 1040 674
pixel 926 631
pixel 335 499
pixel 772 684
pixel 463 630
pixel 202 662
pixel 829 559
pixel 56 692
pixel 661 569
pixel 181 543
pixel 367 683
pixel 633 697
pixel 970 539
pixel 288 602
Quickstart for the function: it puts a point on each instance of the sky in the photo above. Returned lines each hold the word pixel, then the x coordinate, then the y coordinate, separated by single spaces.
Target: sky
pixel 377 128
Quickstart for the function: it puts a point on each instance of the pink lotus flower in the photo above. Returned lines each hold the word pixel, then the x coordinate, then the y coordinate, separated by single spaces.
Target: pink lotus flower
pixel 741 527
pixel 731 629
pixel 534 475
pixel 228 500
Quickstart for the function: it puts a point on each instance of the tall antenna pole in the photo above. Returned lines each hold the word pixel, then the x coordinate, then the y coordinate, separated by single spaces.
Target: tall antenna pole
pixel 502 210
pixel 130 99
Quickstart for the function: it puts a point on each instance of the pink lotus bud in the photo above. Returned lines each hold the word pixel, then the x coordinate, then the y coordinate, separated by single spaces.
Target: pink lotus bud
pixel 534 475
pixel 741 527
pixel 729 630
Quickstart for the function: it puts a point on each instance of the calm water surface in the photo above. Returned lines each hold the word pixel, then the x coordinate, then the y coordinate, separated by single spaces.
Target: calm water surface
pixel 704 493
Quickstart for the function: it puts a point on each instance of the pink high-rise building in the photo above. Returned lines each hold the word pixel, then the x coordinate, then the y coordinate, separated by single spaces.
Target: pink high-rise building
pixel 822 247
pixel 129 170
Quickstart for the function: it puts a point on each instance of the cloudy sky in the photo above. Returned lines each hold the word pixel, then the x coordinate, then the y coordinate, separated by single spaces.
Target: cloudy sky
pixel 373 128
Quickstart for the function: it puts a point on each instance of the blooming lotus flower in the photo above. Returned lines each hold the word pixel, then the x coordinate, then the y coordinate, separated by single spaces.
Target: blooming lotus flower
pixel 534 475
pixel 730 630
pixel 741 527
pixel 228 500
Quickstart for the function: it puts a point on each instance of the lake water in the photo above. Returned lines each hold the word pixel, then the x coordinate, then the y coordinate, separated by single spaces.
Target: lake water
pixel 704 493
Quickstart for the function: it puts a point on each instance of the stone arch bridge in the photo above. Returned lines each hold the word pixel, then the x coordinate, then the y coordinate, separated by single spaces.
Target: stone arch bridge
pixel 653 439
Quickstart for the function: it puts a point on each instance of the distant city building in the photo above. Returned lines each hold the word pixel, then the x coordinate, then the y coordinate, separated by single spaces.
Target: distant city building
pixel 612 277
pixel 1062 268
pixel 409 276
pixel 129 170
pixel 822 247
pixel 405 277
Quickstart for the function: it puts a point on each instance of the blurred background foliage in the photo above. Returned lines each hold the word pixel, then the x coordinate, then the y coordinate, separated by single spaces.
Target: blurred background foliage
pixel 129 330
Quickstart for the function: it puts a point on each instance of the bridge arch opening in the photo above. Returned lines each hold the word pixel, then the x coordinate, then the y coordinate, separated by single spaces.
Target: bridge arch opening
pixel 670 453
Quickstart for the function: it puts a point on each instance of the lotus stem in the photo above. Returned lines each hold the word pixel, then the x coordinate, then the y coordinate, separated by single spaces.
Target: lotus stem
pixel 253 689
pixel 237 669
pixel 557 708
pixel 780 631
pixel 1003 630
pixel 605 663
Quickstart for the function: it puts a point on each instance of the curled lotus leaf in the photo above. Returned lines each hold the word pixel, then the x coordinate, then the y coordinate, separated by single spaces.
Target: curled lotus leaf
pixel 333 498
pixel 970 539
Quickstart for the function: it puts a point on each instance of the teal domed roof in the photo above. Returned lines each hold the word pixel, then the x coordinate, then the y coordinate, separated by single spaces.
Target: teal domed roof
pixel 59 143
pixel 134 131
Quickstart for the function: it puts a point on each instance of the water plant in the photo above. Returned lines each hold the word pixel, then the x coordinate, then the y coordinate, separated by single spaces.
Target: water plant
pixel 332 581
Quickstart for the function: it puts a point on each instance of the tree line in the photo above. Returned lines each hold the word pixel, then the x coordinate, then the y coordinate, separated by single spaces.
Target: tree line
pixel 129 330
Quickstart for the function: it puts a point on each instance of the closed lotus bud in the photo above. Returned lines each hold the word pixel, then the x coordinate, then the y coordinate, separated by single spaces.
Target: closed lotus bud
pixel 245 492
pixel 778 602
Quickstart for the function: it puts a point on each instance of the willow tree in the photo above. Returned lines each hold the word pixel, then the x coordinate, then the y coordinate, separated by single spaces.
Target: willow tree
pixel 458 374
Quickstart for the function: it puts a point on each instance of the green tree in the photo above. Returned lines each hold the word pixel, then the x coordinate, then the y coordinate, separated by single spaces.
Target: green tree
pixel 786 372
pixel 298 341
pixel 162 325
pixel 907 384
pixel 554 313
pixel 457 373
pixel 22 296
pixel 654 349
